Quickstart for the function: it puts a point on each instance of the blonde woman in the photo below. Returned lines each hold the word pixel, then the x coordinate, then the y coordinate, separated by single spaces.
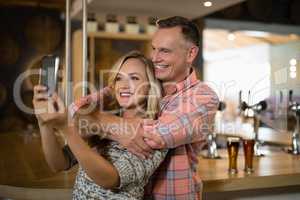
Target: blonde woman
pixel 107 171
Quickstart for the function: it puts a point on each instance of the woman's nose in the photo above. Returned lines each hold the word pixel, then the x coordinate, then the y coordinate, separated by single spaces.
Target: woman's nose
pixel 124 83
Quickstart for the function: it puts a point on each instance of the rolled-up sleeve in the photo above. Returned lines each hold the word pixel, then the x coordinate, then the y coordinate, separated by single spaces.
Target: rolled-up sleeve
pixel 95 97
pixel 187 118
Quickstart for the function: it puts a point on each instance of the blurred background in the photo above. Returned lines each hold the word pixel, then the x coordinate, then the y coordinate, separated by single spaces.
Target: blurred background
pixel 250 52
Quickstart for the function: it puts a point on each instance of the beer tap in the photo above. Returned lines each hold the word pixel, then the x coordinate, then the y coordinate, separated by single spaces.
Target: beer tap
pixel 212 152
pixel 257 109
pixel 244 111
pixel 240 111
pixel 294 110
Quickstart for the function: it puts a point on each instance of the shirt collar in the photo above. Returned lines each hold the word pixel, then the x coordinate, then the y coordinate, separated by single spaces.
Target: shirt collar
pixel 172 88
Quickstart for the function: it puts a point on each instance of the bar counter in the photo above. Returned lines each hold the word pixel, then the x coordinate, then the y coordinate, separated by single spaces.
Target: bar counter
pixel 24 172
pixel 275 169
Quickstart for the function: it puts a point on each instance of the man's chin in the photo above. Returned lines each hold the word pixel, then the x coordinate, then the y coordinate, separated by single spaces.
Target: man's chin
pixel 161 77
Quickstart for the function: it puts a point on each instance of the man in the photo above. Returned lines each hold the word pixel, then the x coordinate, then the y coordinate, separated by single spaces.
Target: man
pixel 187 112
pixel 188 108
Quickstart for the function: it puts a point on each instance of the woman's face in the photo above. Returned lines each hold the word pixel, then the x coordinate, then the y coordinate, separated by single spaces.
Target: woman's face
pixel 131 84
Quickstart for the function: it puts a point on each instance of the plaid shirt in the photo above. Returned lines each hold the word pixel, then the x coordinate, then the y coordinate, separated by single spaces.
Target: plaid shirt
pixel 187 113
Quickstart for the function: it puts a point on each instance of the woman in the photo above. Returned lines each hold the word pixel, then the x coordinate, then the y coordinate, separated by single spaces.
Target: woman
pixel 107 171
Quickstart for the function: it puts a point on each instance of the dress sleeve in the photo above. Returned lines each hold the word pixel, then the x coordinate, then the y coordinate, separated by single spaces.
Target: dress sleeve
pixel 134 170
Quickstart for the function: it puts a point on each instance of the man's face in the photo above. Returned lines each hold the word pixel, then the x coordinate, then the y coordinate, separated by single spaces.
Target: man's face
pixel 170 54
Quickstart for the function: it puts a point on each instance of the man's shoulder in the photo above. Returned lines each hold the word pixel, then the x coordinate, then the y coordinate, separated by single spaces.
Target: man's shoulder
pixel 201 88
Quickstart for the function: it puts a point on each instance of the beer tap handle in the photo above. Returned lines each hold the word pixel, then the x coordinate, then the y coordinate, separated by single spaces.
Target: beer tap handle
pixel 248 98
pixel 290 96
pixel 221 106
pixel 240 97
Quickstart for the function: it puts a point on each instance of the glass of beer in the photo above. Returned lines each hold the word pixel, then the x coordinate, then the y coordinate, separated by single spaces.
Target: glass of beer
pixel 248 145
pixel 233 144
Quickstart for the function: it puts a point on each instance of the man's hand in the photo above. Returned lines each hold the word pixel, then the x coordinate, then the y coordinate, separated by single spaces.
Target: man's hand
pixel 132 138
pixel 153 139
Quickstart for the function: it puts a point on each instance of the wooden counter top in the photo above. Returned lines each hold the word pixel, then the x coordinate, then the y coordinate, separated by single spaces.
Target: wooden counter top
pixel 22 165
pixel 276 169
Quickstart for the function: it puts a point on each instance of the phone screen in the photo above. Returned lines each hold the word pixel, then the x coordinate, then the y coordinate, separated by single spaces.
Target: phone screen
pixel 49 73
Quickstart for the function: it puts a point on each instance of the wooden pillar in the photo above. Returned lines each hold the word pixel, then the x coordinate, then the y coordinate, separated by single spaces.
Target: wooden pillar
pixel 77 64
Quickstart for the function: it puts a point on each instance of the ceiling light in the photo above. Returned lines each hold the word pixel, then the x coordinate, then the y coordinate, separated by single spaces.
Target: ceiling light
pixel 207 3
pixel 256 33
pixel 293 36
pixel 231 36
pixel 293 68
pixel 293 75
pixel 293 61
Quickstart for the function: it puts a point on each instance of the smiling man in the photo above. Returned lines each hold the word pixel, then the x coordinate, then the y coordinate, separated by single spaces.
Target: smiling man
pixel 187 110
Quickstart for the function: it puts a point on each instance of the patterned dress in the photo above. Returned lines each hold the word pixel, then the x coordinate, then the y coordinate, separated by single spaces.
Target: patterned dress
pixel 134 174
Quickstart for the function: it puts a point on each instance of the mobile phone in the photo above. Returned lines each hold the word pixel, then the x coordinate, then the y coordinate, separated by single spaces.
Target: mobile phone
pixel 49 73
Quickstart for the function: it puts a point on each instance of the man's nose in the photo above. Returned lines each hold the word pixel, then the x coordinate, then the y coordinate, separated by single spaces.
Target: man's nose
pixel 155 56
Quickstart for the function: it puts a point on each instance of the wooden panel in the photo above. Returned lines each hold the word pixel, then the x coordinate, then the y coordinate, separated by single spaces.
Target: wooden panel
pixel 18 157
pixel 120 36
pixel 166 8
pixel 43 33
pixel 23 164
pixel 104 50
pixel 34 194
pixel 77 64
pixel 54 4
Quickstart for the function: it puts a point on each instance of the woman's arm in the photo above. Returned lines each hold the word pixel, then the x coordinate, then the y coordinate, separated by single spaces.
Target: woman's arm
pixel 44 110
pixel 52 149
pixel 101 171
pixel 126 170
pixel 116 173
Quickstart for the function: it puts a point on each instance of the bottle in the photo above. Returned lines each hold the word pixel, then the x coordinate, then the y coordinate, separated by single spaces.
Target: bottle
pixel 92 24
pixel 151 26
pixel 132 26
pixel 112 25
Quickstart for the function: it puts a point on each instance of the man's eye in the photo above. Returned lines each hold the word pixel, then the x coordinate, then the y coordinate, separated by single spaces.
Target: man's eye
pixel 165 50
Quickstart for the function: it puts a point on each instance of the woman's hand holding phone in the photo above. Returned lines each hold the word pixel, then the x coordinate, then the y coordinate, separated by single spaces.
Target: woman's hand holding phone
pixel 49 110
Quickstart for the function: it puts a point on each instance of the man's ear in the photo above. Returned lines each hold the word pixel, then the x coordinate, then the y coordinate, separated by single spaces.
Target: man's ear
pixel 192 54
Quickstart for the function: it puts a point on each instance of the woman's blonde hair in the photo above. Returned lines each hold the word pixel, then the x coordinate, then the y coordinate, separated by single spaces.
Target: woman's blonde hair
pixel 154 94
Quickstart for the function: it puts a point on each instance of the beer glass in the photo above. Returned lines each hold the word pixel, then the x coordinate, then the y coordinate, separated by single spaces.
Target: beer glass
pixel 248 145
pixel 233 144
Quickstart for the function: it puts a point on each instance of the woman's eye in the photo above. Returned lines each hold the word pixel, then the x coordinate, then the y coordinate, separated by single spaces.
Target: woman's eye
pixel 135 78
pixel 118 78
